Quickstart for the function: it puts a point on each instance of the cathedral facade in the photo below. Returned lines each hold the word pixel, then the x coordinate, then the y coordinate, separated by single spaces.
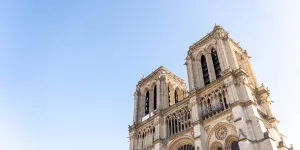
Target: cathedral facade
pixel 224 109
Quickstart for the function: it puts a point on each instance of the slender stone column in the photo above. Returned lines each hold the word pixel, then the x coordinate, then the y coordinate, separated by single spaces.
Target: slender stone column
pixel 151 101
pixel 231 91
pixel 163 130
pixel 195 74
pixel 141 111
pixel 172 126
pixel 167 128
pixel 164 100
pixel 200 73
pixel 221 56
pixel 177 125
pixel 190 74
pixel 230 54
pixel 193 106
pixel 135 113
pixel 158 90
pixel 210 66
pixel 172 99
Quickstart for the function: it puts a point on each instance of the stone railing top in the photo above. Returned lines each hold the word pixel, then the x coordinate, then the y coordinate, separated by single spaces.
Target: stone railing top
pixel 160 71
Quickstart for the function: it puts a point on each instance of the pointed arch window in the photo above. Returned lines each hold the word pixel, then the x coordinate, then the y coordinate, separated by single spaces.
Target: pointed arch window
pixel 147 103
pixel 154 98
pixel 169 96
pixel 215 59
pixel 176 96
pixel 205 70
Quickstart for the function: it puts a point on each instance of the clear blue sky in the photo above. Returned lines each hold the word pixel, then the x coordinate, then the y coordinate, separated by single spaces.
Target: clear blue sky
pixel 68 68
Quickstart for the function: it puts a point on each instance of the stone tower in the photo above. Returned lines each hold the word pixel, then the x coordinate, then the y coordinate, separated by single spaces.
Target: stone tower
pixel 224 109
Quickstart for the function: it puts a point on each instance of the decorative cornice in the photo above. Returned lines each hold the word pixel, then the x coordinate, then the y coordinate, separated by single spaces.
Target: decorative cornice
pixel 235 44
pixel 181 104
pixel 217 33
pixel 206 121
pixel 211 86
pixel 145 123
pixel 175 136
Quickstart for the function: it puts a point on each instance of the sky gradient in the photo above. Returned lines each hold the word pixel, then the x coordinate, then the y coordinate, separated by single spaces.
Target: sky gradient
pixel 68 68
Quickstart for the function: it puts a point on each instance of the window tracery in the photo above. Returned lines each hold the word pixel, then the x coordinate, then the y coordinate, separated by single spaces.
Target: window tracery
pixel 213 103
pixel 221 133
pixel 205 70
pixel 178 121
pixel 146 137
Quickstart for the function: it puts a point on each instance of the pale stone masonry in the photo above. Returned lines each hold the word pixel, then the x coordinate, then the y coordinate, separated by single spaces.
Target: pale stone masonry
pixel 224 109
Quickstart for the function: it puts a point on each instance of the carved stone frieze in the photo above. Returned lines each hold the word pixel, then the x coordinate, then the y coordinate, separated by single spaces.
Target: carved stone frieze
pixel 230 118
pixel 156 121
pixel 220 33
pixel 207 129
pixel 192 133
pixel 165 144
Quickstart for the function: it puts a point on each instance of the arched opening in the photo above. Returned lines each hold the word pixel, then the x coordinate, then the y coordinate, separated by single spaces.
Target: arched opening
pixel 225 101
pixel 209 105
pixel 221 101
pixel 235 145
pixel 147 103
pixel 186 147
pixel 175 97
pixel 154 98
pixel 153 134
pixel 216 63
pixel 232 143
pixel 216 146
pixel 143 140
pixel 205 70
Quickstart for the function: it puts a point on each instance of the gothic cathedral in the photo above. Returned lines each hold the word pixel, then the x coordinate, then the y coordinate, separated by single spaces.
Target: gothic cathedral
pixel 224 109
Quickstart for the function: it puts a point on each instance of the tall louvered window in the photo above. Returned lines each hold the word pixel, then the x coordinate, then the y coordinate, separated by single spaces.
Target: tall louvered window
pixel 147 103
pixel 205 70
pixel 169 96
pixel 215 59
pixel 154 98
pixel 176 96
